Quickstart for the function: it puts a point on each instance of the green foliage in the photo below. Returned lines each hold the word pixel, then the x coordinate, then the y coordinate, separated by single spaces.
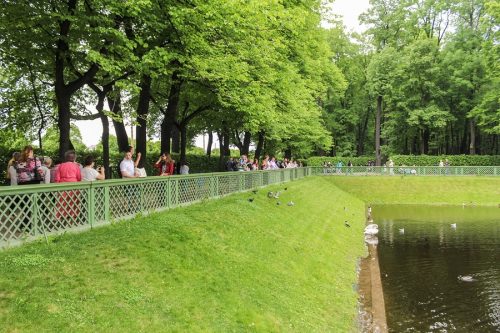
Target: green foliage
pixel 455 160
pixel 417 160
pixel 356 161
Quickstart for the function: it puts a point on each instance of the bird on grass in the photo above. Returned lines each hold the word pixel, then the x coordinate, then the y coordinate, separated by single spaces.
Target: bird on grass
pixel 291 203
pixel 453 225
pixel 286 188
pixel 278 203
pixel 347 224
pixel 277 195
pixel 402 230
pixel 254 191
pixel 251 199
pixel 270 194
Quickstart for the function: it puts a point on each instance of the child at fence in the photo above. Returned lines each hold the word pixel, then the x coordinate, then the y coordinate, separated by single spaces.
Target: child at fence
pixel 46 172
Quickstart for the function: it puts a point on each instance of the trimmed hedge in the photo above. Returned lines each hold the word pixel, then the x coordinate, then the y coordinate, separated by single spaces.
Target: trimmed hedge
pixel 356 161
pixel 417 160
pixel 462 160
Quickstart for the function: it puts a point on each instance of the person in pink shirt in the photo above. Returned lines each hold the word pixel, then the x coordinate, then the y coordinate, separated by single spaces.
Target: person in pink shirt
pixel 68 206
pixel 69 171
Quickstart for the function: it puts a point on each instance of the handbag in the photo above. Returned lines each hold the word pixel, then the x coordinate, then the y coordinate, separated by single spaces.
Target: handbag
pixel 141 172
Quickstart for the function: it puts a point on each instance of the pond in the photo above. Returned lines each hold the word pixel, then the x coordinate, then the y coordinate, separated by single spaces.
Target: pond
pixel 440 267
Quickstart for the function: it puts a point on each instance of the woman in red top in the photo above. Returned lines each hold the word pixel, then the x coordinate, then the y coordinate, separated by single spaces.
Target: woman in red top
pixel 69 171
pixel 165 165
pixel 68 206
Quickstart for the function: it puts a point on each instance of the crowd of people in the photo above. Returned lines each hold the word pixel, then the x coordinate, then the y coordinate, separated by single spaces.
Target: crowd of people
pixel 268 163
pixel 25 169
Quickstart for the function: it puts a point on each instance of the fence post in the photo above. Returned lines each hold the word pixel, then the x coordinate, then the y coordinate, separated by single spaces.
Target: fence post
pixel 106 204
pixel 90 207
pixel 495 170
pixel 34 214
pixel 168 193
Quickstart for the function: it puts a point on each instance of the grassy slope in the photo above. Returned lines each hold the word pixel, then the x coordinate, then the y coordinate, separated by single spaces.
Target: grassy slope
pixel 422 190
pixel 224 265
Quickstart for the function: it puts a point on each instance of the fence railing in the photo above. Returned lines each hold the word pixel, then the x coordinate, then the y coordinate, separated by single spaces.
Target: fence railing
pixel 34 211
pixel 31 212
pixel 409 170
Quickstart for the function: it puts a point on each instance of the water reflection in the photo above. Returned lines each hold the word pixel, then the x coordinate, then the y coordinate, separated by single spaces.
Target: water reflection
pixel 425 269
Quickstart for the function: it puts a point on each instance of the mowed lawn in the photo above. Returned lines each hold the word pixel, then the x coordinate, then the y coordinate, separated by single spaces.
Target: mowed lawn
pixel 225 265
pixel 422 190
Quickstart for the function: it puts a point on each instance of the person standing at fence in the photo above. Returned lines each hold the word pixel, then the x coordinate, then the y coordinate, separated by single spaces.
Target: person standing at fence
pixel 27 169
pixel 69 171
pixel 184 169
pixel 88 171
pixel 68 205
pixel 127 167
pixel 11 171
pixel 46 174
pixel 339 166
pixel 391 167
pixel 165 165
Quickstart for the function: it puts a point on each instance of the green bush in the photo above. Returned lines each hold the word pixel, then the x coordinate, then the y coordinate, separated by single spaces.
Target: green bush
pixel 462 160
pixel 356 161
pixel 417 160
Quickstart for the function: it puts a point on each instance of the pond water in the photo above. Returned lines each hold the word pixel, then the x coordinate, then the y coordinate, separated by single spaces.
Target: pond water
pixel 438 277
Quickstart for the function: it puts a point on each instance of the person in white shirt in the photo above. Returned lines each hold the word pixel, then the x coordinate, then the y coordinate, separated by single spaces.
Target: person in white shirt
pixel 127 167
pixel 184 170
pixel 91 174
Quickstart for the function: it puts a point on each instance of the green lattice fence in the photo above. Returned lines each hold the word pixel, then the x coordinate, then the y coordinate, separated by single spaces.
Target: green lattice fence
pixel 30 212
pixel 408 171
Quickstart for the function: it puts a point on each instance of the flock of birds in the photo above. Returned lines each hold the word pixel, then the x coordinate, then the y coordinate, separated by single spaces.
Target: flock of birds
pixel 371 230
pixel 273 195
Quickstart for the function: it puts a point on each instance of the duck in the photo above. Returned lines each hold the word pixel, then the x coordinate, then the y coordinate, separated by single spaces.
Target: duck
pixel 466 278
pixel 371 229
pixel 453 225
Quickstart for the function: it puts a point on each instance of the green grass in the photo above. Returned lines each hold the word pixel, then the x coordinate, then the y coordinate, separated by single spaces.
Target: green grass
pixel 221 266
pixel 422 190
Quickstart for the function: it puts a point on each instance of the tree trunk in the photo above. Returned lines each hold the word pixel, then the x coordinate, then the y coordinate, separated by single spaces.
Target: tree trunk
pixel 221 151
pixel 176 143
pixel 463 145
pixel 362 134
pixel 171 112
pixel 246 143
pixel 105 138
pixel 226 142
pixel 183 145
pixel 142 112
pixel 472 129
pixel 425 140
pixel 63 123
pixel 115 106
pixel 378 117
pixel 288 153
pixel 210 141
pixel 260 145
